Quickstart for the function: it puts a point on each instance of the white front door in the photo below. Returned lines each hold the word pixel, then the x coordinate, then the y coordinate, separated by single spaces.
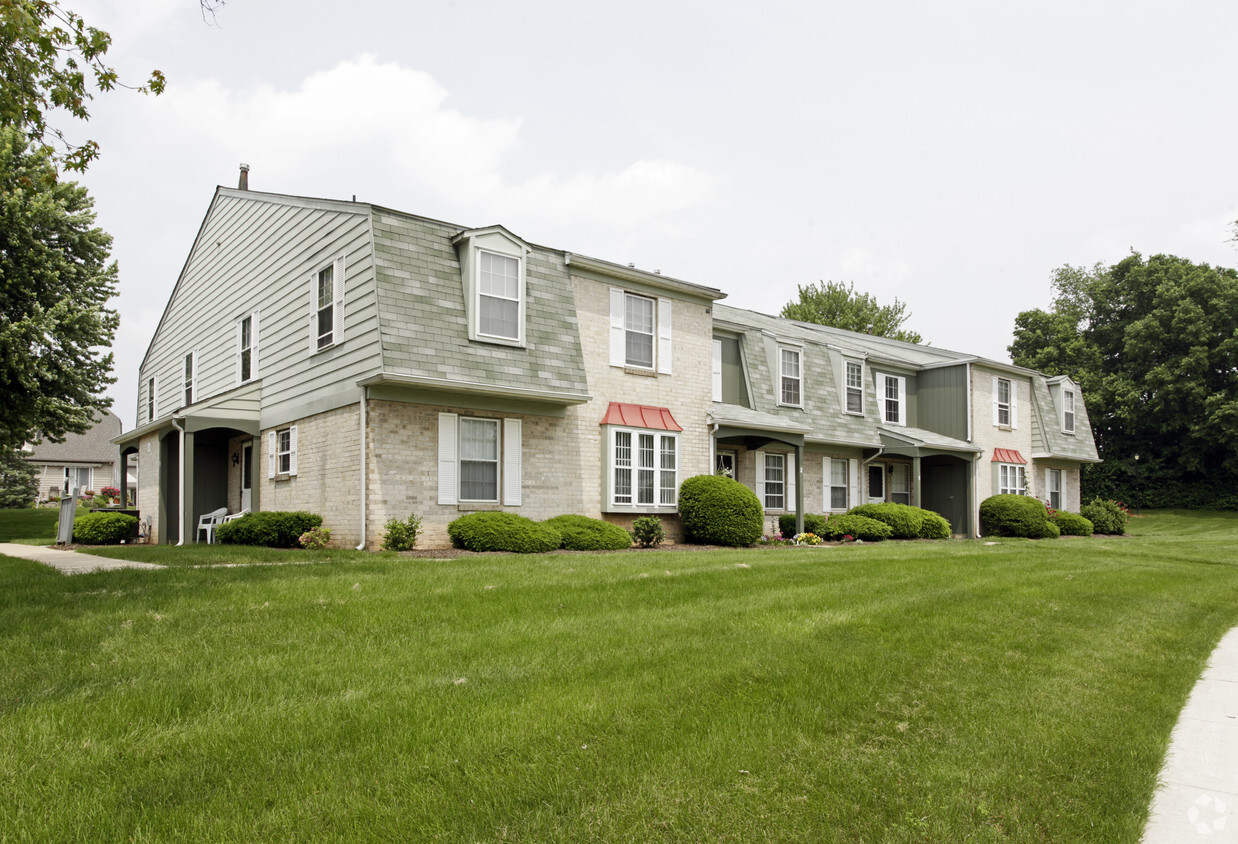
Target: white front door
pixel 247 476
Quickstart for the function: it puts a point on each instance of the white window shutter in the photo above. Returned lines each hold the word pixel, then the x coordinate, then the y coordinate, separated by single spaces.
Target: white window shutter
pixel 313 313
pixel 853 483
pixel 618 349
pixel 996 396
pixel 338 310
pixel 760 490
pixel 253 346
pixel 790 474
pixel 194 380
pixel 902 400
pixel 827 477
pixel 717 394
pixel 664 336
pixel 272 446
pixel 1014 405
pixel 292 450
pixel 511 462
pixel 238 350
pixel 448 468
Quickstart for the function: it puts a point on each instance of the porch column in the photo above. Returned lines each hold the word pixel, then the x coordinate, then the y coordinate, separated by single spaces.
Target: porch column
pixel 189 522
pixel 799 490
pixel 915 482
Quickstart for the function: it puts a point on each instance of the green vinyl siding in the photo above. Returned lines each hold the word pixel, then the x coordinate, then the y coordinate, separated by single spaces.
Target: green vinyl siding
pixel 942 400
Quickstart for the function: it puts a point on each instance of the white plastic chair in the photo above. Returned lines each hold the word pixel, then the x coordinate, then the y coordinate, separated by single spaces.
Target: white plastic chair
pixel 208 521
pixel 234 516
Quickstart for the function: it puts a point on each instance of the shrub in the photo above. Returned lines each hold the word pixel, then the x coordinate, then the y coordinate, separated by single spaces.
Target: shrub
pixel 270 528
pixel 904 521
pixel 1013 515
pixel 935 526
pixel 1072 524
pixel 812 524
pixel 1106 516
pixel 503 532
pixel 401 536
pixel 103 528
pixel 1049 531
pixel 647 531
pixel 581 533
pixel 315 538
pixel 719 511
pixel 857 527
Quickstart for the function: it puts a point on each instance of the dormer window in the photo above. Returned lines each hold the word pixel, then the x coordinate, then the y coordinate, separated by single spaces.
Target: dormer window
pixel 493 266
pixel 1068 411
pixel 855 387
pixel 499 291
pixel 790 376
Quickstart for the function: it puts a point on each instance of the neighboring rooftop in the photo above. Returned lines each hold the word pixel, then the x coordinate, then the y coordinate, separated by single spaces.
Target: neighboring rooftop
pixel 94 446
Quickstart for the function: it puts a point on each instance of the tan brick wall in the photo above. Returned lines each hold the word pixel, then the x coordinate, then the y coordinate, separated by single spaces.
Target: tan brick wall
pixel 988 436
pixel 1070 481
pixel 148 482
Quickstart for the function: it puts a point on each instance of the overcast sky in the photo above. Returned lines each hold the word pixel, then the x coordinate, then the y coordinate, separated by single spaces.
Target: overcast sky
pixel 949 154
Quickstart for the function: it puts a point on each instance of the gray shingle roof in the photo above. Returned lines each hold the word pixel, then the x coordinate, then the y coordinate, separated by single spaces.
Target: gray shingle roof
pixel 94 446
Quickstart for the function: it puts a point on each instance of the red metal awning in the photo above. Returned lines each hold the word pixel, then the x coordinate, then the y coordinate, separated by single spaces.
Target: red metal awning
pixel 640 416
pixel 1007 455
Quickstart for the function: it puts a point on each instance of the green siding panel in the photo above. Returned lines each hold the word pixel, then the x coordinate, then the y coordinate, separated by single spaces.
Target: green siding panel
pixel 942 399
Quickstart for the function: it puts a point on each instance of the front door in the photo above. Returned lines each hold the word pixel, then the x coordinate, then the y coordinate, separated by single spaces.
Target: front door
pixel 725 465
pixel 876 483
pixel 247 477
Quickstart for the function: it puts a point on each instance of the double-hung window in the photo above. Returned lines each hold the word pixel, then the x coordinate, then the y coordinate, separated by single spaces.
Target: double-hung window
pixel 892 393
pixel 774 495
pixel 498 286
pixel 247 348
pixel 645 468
pixel 855 387
pixel 191 376
pixel 282 452
pixel 640 332
pixel 789 375
pixel 150 399
pixel 900 484
pixel 1003 402
pixel 836 488
pixel 479 459
pixel 327 306
pixel 1053 480
pixel 1010 479
pixel 1068 411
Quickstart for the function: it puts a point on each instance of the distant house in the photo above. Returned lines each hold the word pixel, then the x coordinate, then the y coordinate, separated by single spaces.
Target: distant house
pixel 364 363
pixel 85 461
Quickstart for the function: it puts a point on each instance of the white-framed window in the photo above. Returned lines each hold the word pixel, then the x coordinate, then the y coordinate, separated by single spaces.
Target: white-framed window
pixel 282 452
pixel 790 376
pixel 855 387
pixel 774 491
pixel 892 393
pixel 78 477
pixel 191 377
pixel 1010 479
pixel 150 399
pixel 640 331
pixel 837 484
pixel 1053 481
pixel 724 464
pixel 900 483
pixel 247 348
pixel 1003 402
pixel 1068 411
pixel 479 460
pixel 499 290
pixel 326 317
pixel 644 468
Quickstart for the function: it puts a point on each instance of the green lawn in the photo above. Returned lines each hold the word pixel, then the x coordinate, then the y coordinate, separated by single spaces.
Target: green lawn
pixel 30 526
pixel 928 692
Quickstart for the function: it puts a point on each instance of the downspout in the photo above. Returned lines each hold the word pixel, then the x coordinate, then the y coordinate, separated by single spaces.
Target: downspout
pixel 181 480
pixel 364 391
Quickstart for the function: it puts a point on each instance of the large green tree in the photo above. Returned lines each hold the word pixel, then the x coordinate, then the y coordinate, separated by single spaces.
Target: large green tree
pixel 55 283
pixel 1153 344
pixel 836 304
pixel 19 483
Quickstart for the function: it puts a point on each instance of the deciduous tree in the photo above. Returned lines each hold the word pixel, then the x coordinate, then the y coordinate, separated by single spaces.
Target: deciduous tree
pixel 838 305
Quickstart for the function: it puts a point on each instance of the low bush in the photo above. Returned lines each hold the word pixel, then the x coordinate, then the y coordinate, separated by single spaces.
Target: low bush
pixel 269 528
pixel 401 535
pixel 102 528
pixel 503 532
pixel 1050 530
pixel 581 533
pixel 315 538
pixel 719 511
pixel 812 524
pixel 647 531
pixel 1107 517
pixel 1072 524
pixel 857 527
pixel 904 521
pixel 935 526
pixel 1013 515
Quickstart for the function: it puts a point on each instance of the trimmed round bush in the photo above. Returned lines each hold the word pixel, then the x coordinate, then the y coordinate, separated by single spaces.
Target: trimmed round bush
pixel 269 528
pixel 812 524
pixel 857 527
pixel 719 511
pixel 1072 524
pixel 581 533
pixel 935 526
pixel 1106 517
pixel 503 532
pixel 1013 515
pixel 1050 531
pixel 905 521
pixel 102 528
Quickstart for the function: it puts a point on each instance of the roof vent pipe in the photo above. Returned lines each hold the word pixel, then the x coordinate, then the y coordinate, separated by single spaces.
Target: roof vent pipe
pixel 243 184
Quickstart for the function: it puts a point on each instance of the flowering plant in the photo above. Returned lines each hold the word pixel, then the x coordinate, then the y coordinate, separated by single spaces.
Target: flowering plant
pixel 848 538
pixel 807 539
pixel 110 492
pixel 315 538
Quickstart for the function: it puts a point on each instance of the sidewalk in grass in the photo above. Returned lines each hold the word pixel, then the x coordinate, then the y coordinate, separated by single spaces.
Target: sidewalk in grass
pixel 69 562
pixel 1197 799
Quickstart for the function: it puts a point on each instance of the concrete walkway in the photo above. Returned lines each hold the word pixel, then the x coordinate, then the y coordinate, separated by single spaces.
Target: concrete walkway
pixel 69 562
pixel 1197 800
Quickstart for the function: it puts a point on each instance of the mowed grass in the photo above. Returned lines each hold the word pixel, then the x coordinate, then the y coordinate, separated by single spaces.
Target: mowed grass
pixel 955 691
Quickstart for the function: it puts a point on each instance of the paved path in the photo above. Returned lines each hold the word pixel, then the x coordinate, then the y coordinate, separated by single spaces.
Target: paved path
pixel 69 562
pixel 1197 800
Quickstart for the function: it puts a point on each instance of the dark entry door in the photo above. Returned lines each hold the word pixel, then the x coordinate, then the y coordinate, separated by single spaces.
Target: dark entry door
pixel 943 486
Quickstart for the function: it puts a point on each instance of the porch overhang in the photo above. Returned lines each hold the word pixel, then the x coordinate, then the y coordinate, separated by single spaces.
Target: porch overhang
pixel 732 422
pixel 1072 458
pixel 914 442
pixel 447 385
